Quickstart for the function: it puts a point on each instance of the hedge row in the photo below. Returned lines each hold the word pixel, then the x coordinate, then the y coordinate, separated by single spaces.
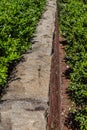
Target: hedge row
pixel 73 26
pixel 18 20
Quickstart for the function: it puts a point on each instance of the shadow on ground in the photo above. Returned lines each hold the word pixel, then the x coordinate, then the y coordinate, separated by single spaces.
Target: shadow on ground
pixel 11 75
pixel 70 122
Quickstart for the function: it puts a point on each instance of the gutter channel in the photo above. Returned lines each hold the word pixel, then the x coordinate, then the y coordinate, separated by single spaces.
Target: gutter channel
pixel 55 101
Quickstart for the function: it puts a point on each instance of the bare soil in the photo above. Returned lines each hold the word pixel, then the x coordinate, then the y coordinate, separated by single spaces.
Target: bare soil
pixel 60 103
pixel 65 99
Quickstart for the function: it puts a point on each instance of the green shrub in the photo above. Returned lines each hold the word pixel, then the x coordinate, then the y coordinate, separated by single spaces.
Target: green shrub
pixel 18 20
pixel 81 118
pixel 73 26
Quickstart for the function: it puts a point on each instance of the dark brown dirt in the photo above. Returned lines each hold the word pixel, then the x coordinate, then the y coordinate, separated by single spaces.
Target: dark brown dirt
pixel 65 101
pixel 59 102
pixel 54 113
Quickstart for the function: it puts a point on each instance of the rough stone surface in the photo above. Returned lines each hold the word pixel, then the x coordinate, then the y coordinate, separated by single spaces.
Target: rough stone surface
pixel 25 104
pixel 23 120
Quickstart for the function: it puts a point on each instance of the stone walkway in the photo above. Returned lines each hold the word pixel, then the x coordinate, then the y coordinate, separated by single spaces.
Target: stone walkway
pixel 25 105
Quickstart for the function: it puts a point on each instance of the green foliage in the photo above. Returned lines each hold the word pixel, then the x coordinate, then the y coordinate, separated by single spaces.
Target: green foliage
pixel 78 93
pixel 81 118
pixel 18 20
pixel 73 26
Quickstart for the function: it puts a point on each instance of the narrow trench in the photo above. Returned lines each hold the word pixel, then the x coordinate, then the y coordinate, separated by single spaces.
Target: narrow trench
pixel 59 101
pixel 54 118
